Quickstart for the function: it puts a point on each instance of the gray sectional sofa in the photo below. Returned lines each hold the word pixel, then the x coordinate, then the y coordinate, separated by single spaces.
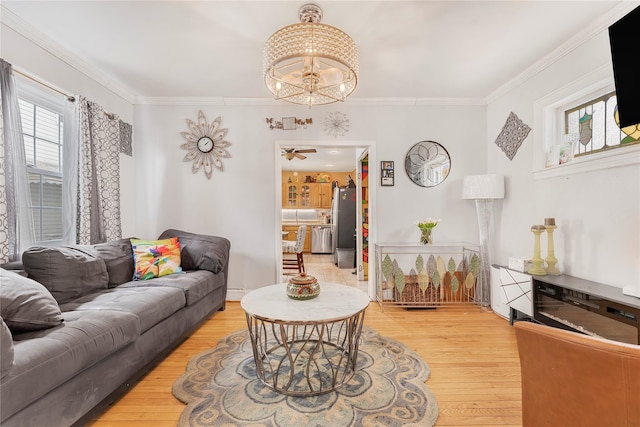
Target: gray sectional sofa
pixel 78 331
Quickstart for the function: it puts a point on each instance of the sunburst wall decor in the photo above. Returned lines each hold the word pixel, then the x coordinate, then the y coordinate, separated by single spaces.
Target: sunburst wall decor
pixel 205 144
pixel 336 124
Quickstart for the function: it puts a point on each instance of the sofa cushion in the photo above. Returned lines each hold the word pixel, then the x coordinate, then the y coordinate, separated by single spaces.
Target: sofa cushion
pixel 155 258
pixel 66 271
pixel 26 305
pixel 45 359
pixel 6 348
pixel 195 284
pixel 118 257
pixel 150 304
pixel 199 251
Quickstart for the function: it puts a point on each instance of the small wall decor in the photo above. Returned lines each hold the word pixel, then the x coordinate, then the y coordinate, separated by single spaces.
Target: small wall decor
pixel 336 124
pixel 205 144
pixel 126 130
pixel 386 173
pixel 513 133
pixel 427 163
pixel 288 123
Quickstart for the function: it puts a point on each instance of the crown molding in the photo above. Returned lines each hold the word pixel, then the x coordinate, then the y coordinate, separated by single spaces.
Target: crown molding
pixel 14 22
pixel 598 25
pixel 250 102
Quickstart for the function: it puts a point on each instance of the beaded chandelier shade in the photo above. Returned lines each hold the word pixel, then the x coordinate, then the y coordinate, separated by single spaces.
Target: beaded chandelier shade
pixel 310 63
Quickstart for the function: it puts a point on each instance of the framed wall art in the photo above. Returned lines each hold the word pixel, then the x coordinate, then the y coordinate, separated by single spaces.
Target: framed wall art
pixel 288 123
pixel 386 173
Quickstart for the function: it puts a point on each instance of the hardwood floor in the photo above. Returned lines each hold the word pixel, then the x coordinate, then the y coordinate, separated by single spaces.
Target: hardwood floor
pixel 472 354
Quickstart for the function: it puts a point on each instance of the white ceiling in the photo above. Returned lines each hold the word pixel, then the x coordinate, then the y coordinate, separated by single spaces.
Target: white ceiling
pixel 213 49
pixel 423 49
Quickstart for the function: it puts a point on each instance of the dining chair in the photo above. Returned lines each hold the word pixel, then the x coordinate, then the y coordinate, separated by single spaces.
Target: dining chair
pixel 294 247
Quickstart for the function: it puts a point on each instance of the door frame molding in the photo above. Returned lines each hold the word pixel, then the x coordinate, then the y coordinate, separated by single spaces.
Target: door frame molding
pixel 368 145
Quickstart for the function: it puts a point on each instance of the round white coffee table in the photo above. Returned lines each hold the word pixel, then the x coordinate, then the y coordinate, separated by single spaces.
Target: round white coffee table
pixel 309 347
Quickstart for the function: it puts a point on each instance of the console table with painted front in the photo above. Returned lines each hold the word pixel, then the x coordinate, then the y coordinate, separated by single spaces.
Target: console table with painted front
pixel 305 347
pixel 434 275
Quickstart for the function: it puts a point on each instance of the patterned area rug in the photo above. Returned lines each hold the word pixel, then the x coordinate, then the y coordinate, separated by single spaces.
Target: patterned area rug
pixel 220 388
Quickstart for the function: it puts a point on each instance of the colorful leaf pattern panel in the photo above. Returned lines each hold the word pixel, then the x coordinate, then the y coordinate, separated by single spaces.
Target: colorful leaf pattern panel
pixel 470 281
pixel 419 264
pixel 474 266
pixel 400 281
pixel 387 267
pixel 450 278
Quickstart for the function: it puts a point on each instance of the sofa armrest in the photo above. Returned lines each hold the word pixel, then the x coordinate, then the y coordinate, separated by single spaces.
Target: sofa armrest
pixel 200 251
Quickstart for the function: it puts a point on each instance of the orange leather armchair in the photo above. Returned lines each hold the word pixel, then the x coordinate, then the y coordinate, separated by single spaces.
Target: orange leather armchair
pixel 570 379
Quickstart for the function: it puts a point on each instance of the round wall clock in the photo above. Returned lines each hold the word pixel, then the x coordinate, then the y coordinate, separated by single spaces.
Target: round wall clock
pixel 427 163
pixel 205 144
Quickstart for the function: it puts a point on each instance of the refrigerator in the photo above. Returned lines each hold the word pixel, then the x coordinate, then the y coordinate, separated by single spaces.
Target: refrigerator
pixel 343 227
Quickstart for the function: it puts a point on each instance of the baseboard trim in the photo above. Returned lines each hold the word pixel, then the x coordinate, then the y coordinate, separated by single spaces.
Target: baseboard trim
pixel 235 294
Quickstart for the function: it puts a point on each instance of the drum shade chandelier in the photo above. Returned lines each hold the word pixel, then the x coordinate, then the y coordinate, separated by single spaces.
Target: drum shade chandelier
pixel 310 63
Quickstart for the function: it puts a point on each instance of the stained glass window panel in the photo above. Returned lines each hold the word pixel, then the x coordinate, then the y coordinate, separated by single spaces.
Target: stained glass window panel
pixel 595 125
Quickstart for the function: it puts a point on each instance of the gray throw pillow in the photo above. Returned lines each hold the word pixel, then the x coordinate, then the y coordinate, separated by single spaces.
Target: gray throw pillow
pixel 68 272
pixel 26 305
pixel 200 251
pixel 118 257
pixel 6 349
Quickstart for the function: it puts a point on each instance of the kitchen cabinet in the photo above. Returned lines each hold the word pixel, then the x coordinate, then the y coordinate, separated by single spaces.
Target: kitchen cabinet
pixel 297 195
pixel 292 234
pixel 322 196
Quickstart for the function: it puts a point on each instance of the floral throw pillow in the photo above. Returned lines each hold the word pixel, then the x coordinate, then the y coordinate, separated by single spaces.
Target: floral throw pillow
pixel 155 258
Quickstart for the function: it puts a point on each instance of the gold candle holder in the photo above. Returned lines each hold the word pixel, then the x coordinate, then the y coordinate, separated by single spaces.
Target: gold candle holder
pixel 551 260
pixel 537 261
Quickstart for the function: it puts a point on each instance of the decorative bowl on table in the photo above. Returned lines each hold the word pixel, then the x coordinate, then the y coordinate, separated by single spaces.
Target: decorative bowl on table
pixel 303 287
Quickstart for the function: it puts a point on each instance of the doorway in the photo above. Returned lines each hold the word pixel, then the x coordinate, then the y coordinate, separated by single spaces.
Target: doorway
pixel 359 149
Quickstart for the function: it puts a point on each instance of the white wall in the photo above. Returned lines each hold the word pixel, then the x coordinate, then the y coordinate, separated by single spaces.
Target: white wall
pixel 240 203
pixel 159 191
pixel 597 213
pixel 27 56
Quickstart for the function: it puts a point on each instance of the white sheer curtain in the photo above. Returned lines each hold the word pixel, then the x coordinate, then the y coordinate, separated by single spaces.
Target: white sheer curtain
pixel 70 157
pixel 15 195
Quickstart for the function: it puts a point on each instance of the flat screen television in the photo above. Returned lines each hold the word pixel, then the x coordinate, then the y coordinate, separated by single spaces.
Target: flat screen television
pixel 624 38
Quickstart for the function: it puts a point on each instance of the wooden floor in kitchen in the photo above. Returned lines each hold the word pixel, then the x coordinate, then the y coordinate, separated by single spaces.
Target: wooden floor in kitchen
pixel 472 355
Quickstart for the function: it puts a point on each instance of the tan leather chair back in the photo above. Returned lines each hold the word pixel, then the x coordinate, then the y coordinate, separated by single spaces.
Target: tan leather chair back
pixel 570 379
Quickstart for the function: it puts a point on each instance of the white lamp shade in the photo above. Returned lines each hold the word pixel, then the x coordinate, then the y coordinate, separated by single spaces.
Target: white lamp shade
pixel 483 187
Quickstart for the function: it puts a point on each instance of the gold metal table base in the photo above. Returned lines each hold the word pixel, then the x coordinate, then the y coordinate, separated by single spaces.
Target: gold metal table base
pixel 305 358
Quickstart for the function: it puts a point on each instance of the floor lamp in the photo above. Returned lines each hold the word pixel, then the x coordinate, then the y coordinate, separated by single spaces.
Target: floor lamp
pixel 484 189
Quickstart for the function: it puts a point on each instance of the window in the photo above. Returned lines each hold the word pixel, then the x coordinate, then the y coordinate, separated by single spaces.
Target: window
pixel 42 131
pixel 565 146
pixel 595 126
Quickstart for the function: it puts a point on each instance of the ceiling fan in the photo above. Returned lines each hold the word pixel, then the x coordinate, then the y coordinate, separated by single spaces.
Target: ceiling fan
pixel 290 153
